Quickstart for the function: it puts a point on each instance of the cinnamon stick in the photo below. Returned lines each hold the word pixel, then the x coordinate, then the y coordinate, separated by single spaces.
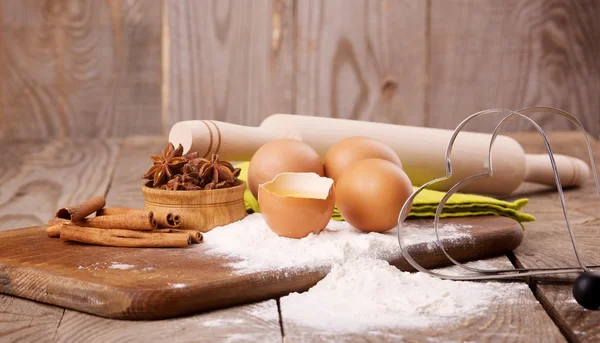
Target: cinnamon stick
pixel 53 230
pixel 57 221
pixel 80 211
pixel 109 211
pixel 169 220
pixel 123 238
pixel 53 227
pixel 163 221
pixel 173 219
pixel 197 236
pixel 133 220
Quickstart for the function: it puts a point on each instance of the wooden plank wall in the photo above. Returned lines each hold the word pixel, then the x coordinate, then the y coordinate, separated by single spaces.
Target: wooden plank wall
pixel 228 60
pixel 79 68
pixel 123 67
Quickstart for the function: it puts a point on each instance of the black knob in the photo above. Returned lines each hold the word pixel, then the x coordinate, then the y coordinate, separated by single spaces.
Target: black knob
pixel 586 290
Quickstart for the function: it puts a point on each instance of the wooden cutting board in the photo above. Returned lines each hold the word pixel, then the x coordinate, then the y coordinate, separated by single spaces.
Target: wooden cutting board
pixel 166 283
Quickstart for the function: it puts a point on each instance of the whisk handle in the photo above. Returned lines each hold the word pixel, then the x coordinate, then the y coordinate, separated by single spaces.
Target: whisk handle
pixel 572 171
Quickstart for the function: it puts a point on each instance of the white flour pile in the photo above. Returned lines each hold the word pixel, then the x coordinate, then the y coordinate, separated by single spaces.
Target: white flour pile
pixel 257 248
pixel 362 291
pixel 367 293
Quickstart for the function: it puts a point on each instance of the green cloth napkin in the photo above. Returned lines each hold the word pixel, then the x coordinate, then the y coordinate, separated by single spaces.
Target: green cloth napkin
pixel 426 202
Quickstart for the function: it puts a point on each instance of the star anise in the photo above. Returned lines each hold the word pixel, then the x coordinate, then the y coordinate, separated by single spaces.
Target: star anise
pixel 165 166
pixel 222 184
pixel 184 182
pixel 191 155
pixel 215 172
pixel 175 171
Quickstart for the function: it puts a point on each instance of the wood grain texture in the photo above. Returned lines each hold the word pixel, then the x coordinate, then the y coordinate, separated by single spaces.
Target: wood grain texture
pixel 522 321
pixel 199 210
pixel 133 162
pixel 36 178
pixel 367 64
pixel 79 68
pixel 577 323
pixel 512 54
pixel 546 242
pixel 165 283
pixel 40 177
pixel 132 158
pixel 256 322
pixel 229 60
pixel 27 321
pixel 250 323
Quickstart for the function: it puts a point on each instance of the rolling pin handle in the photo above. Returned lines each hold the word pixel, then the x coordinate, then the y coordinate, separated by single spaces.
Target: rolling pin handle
pixel 572 171
pixel 231 142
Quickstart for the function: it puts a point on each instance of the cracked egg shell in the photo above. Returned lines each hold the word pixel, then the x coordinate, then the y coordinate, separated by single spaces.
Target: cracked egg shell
pixel 295 205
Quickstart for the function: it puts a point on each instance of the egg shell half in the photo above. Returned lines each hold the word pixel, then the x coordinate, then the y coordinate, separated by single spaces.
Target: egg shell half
pixel 295 205
pixel 352 149
pixel 371 194
pixel 279 156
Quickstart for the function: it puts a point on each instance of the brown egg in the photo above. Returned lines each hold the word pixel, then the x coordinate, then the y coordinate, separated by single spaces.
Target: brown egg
pixel 349 150
pixel 370 194
pixel 282 155
pixel 297 204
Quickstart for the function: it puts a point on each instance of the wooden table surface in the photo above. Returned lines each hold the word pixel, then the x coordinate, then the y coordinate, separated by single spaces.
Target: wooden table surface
pixel 39 176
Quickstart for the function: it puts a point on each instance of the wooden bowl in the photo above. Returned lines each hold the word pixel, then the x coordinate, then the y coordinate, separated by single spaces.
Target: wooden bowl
pixel 200 210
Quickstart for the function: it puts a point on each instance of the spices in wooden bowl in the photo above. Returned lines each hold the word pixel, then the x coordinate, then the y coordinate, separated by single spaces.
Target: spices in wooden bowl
pixel 205 193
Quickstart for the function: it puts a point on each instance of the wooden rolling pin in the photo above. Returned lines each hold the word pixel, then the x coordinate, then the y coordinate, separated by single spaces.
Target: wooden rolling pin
pixel 421 150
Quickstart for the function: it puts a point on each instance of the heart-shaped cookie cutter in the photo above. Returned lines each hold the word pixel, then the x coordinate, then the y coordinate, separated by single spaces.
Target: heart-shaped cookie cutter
pixel 497 274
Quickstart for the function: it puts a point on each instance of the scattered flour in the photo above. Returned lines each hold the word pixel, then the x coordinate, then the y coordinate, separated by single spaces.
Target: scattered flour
pixel 122 266
pixel 266 310
pixel 263 311
pixel 177 285
pixel 367 293
pixel 103 266
pixel 257 248
pixel 480 264
pixel 572 301
pixel 222 322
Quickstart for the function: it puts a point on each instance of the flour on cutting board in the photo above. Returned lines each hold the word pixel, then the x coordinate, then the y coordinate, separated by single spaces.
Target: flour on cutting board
pixel 122 266
pixel 104 266
pixel 369 294
pixel 257 248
